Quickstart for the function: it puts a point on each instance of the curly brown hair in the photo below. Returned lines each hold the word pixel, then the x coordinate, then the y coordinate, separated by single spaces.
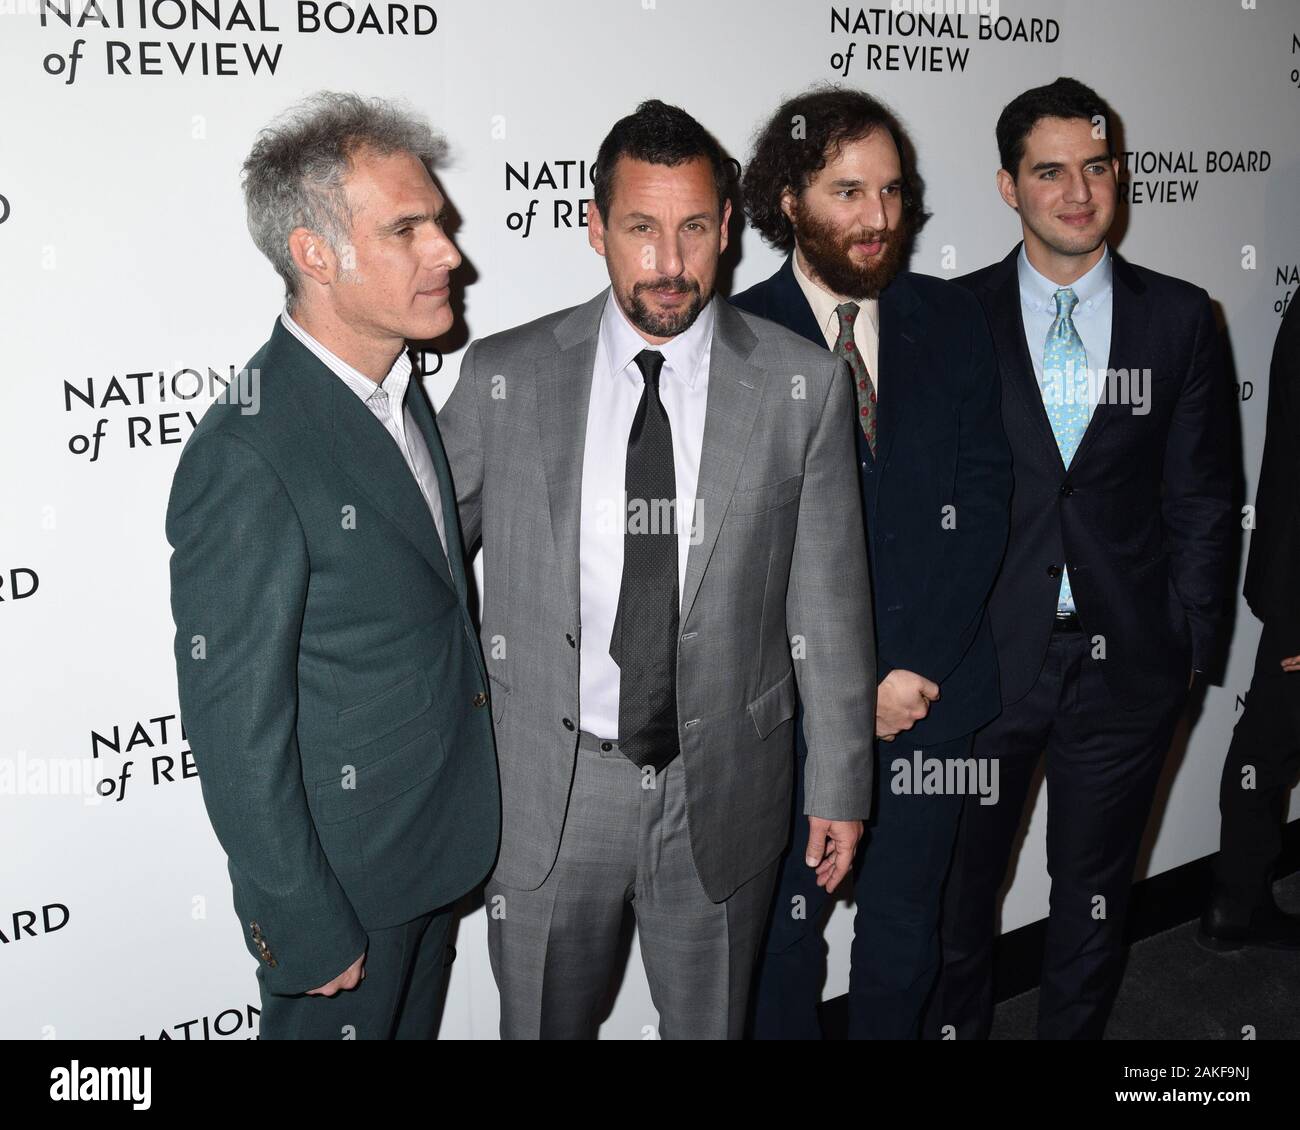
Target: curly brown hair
pixel 788 158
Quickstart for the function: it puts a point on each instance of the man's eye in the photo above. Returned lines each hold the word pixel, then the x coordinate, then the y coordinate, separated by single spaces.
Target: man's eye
pixel 845 193
pixel 405 230
pixel 1050 174
pixel 642 228
pixel 891 190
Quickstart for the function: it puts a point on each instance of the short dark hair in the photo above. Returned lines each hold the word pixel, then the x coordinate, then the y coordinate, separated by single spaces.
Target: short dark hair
pixel 787 157
pixel 662 135
pixel 1064 98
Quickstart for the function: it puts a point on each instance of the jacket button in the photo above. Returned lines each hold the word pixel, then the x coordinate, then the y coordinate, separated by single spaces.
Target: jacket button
pixel 1067 490
pixel 606 746
pixel 480 699
pixel 1053 570
pixel 572 641
pixel 568 725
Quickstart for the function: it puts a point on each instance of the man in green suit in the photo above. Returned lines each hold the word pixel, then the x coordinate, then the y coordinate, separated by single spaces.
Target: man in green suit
pixel 331 682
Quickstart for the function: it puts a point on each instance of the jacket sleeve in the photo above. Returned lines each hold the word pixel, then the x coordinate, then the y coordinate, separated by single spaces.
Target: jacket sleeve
pixel 833 639
pixel 1197 503
pixel 974 532
pixel 462 438
pixel 239 573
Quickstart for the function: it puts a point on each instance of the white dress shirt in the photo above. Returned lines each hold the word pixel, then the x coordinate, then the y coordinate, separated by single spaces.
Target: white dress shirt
pixel 616 389
pixel 380 398
pixel 866 331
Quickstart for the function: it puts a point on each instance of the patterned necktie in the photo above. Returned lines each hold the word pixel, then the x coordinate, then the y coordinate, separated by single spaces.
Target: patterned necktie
pixel 1065 395
pixel 847 348
pixel 644 639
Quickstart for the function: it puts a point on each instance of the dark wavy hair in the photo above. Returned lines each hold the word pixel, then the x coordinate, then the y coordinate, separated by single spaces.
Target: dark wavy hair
pixel 662 135
pixel 1064 98
pixel 786 157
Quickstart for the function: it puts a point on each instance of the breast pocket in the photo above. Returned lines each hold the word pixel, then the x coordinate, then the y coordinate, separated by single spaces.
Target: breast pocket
pixel 773 496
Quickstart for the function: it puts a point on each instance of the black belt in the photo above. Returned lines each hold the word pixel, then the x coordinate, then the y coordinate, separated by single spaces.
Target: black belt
pixel 1067 622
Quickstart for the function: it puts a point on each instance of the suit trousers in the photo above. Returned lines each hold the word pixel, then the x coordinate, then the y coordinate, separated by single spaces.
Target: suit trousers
pixel 399 999
pixel 1102 767
pixel 1257 773
pixel 898 885
pixel 555 951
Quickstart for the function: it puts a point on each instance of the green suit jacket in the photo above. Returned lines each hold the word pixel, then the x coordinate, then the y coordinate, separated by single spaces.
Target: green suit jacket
pixel 331 682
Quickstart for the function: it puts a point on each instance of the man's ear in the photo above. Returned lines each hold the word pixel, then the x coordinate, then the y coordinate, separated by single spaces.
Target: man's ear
pixel 313 256
pixel 595 228
pixel 788 202
pixel 726 225
pixel 1007 189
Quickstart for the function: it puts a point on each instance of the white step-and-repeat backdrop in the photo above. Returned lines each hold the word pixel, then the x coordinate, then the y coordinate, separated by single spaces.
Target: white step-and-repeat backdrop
pixel 129 289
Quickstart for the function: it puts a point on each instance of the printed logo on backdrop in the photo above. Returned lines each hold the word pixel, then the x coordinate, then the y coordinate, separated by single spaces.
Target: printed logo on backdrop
pixel 1173 176
pixel 24 925
pixel 149 38
pixel 150 409
pixel 18 583
pixel 1286 280
pixel 930 36
pixel 229 1024
pixel 125 759
pixel 550 194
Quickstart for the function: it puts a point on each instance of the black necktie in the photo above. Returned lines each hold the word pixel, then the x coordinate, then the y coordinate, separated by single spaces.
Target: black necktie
pixel 644 640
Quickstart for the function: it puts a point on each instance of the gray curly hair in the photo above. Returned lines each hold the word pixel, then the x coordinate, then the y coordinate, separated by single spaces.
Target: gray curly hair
pixel 293 177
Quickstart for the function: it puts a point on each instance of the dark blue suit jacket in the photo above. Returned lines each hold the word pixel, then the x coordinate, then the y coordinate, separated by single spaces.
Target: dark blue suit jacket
pixel 1142 516
pixel 939 445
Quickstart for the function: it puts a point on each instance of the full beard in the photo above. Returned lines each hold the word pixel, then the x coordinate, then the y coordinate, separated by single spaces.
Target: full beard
pixel 671 323
pixel 827 251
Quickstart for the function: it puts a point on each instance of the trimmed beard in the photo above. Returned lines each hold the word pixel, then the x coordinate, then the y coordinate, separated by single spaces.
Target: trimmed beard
pixel 664 325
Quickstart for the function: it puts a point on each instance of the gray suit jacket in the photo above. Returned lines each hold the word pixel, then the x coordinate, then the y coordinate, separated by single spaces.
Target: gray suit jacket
pixel 776 592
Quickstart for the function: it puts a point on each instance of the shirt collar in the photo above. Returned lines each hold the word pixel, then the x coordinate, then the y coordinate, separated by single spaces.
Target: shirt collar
pixel 1037 291
pixel 394 384
pixel 682 354
pixel 825 304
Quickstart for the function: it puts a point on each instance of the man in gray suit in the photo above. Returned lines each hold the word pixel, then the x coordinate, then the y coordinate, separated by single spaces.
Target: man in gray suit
pixel 664 488
pixel 331 684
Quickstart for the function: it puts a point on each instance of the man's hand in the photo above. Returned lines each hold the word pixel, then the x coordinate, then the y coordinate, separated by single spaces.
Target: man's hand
pixel 350 978
pixel 831 844
pixel 1291 663
pixel 902 700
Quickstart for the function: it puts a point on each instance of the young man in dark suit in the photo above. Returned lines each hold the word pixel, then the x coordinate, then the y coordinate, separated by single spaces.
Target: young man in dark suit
pixel 1110 597
pixel 330 678
pixel 1265 751
pixel 935 478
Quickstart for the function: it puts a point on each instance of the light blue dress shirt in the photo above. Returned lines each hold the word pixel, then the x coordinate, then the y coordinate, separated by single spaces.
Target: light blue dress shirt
pixel 1092 319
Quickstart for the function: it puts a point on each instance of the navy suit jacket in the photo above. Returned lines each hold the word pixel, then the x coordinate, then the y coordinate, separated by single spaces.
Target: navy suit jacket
pixel 936 493
pixel 1274 565
pixel 1143 514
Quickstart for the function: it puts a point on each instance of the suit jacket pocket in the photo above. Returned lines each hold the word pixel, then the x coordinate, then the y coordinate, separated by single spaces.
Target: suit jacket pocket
pixel 376 783
pixel 768 497
pixel 385 712
pixel 774 706
pixel 500 692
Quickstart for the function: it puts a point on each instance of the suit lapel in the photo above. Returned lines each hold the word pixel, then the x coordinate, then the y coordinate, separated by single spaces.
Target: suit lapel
pixel 735 391
pixel 899 362
pixel 369 457
pixel 791 304
pixel 1007 325
pixel 563 390
pixel 423 416
pixel 1129 315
